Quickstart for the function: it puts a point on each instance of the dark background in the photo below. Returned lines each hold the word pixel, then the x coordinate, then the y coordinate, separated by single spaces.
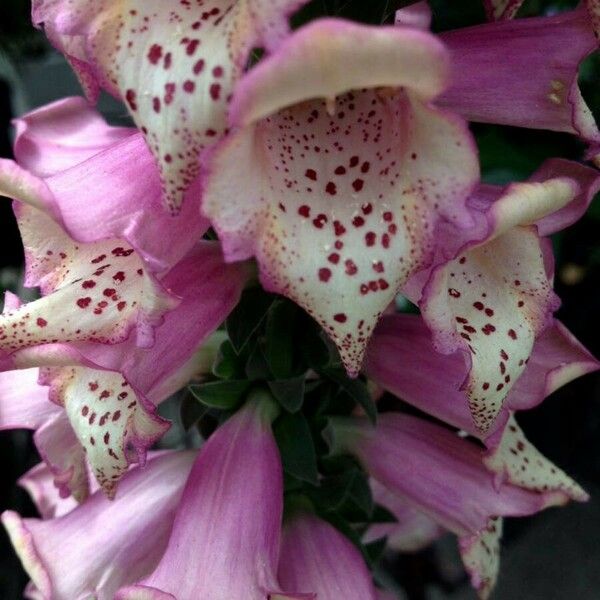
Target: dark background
pixel 552 556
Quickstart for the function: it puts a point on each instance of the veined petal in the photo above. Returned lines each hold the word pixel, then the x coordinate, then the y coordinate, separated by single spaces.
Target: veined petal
pixel 230 515
pixel 434 470
pixel 59 135
pixel 316 557
pixel 123 539
pixel 24 404
pixel 515 460
pixel 60 449
pixel 113 424
pixel 338 198
pixel 537 86
pixel 175 66
pixel 412 531
pixel 481 556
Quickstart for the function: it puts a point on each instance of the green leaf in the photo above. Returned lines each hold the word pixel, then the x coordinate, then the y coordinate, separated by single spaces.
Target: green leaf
pixel 346 493
pixel 256 366
pixel 279 349
pixel 227 363
pixel 289 392
pixel 191 411
pixel 224 395
pixel 247 316
pixel 355 388
pixel 296 447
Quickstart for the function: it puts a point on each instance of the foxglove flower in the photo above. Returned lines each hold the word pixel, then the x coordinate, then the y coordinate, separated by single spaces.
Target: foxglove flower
pixel 443 476
pixel 173 64
pixel 539 88
pixel 338 170
pixel 109 393
pixel 316 557
pixel 225 539
pixel 490 294
pixel 100 545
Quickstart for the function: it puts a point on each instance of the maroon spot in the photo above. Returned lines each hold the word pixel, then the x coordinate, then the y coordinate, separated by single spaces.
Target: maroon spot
pixel 116 415
pixel 324 274
pixel 41 322
pixel 218 71
pixel 104 394
pixel 109 292
pixel 463 260
pixel 338 244
pixel 119 276
pixel 454 293
pixel 512 334
pixel 499 387
pixel 488 328
pixel 364 289
pixel 189 86
pixel 351 268
pixel 385 240
pixel 168 158
pixel 383 284
pixel 517 282
pixel 304 211
pixel 354 161
pixel 320 220
pixel 503 355
pixel 378 267
pixel 469 328
pixel 334 258
pixel 84 302
pixel 393 228
pixel 489 312
pixel 106 438
pixel 388 216
pixel 98 259
pixel 370 238
pixel 215 91
pixel 191 47
pixel 365 167
pixel 520 303
pixel 93 385
pixel 478 305
pixel 331 188
pixel 461 320
pixel 156 104
pixel 373 286
pixel 122 252
pixel 338 229
pixel 155 53
pixel 167 61
pixel 130 98
pixel 486 386
pixel 198 67
pixel 340 170
pixel 367 208
pixel 121 305
pixel 340 317
pixel 311 174
pixel 358 221
pixel 169 92
pixel 358 184
pixel 85 410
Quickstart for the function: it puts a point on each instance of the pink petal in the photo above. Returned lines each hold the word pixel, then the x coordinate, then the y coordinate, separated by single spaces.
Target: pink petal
pixel 316 557
pixel 60 449
pixel 536 86
pixel 176 87
pixel 413 531
pixel 495 296
pixel 23 403
pixel 401 358
pixel 39 484
pixel 416 15
pixel 435 471
pixel 62 134
pixel 230 515
pixel 338 208
pixel 102 544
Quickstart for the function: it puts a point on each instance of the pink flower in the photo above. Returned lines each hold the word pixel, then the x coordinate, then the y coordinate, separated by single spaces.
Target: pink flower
pixel 338 169
pixel 176 87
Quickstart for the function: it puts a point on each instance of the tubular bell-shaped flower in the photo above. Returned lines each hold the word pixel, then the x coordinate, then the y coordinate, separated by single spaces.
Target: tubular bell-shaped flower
pixel 225 537
pixel 338 170
pixel 538 87
pixel 316 557
pixel 443 476
pixel 101 545
pixel 173 64
pixel 490 294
